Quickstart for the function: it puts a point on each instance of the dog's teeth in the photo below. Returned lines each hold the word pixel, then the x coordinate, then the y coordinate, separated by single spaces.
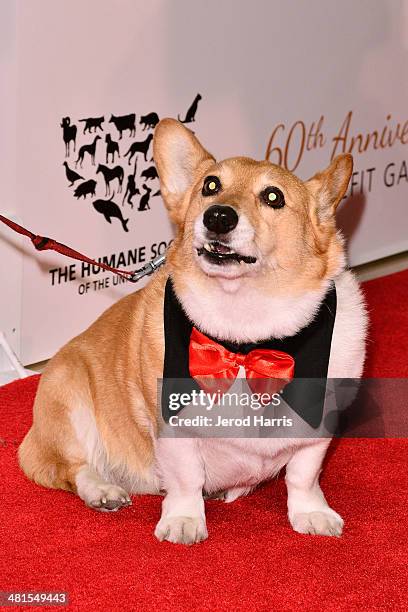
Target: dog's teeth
pixel 208 247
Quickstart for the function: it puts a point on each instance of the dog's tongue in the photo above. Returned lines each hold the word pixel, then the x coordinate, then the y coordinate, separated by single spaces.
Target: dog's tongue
pixel 220 248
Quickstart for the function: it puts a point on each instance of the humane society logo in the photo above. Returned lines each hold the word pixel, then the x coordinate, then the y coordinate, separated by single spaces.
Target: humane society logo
pixel 111 166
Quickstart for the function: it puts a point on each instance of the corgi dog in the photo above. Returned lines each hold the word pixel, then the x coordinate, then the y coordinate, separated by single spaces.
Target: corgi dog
pixel 255 255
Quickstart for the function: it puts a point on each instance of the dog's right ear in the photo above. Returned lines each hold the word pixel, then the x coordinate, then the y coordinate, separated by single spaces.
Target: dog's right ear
pixel 179 159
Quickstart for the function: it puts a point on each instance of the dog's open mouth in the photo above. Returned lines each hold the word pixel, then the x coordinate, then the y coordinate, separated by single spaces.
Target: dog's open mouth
pixel 219 253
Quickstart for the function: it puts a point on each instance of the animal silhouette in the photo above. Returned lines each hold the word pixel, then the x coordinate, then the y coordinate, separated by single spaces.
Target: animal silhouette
pixel 89 148
pixel 110 211
pixel 112 147
pixel 109 174
pixel 131 190
pixel 84 189
pixel 69 132
pixel 191 113
pixel 144 200
pixel 71 175
pixel 150 173
pixel 93 122
pixel 149 121
pixel 124 122
pixel 139 147
pixel 157 193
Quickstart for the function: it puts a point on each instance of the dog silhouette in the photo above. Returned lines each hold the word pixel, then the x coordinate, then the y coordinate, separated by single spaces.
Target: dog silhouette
pixel 150 173
pixel 109 174
pixel 112 147
pixel 149 121
pixel 93 122
pixel 124 122
pixel 144 200
pixel 71 175
pixel 84 189
pixel 110 211
pixel 69 132
pixel 139 147
pixel 191 113
pixel 89 148
pixel 131 190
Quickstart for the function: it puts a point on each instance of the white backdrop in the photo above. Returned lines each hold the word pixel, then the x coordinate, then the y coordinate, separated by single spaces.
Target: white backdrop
pixel 295 81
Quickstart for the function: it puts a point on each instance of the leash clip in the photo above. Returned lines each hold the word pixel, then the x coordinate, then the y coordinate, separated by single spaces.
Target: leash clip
pixel 148 268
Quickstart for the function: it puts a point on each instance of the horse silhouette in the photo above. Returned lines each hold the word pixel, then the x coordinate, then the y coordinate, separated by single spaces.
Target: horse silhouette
pixel 109 174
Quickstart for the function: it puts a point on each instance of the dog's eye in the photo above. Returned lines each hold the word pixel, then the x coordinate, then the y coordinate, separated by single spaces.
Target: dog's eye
pixel 212 185
pixel 273 197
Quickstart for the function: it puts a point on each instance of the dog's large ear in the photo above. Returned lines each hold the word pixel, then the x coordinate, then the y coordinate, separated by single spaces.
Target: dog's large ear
pixel 329 186
pixel 179 159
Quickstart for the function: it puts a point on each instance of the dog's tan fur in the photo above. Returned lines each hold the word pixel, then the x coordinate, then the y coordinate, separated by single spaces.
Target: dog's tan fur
pixel 112 368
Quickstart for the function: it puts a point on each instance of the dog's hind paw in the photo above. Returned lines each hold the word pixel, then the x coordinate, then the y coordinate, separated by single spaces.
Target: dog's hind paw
pixel 109 498
pixel 181 529
pixel 318 523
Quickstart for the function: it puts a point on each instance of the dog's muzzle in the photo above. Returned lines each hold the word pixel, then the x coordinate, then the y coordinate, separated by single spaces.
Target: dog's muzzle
pixel 219 221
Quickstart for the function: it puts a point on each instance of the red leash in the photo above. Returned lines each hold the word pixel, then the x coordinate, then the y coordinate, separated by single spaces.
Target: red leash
pixel 41 243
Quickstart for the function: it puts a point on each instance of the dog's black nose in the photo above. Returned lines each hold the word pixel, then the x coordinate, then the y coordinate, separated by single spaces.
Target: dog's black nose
pixel 220 219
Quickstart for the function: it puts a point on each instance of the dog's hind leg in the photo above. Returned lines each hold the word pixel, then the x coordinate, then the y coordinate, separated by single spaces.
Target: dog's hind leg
pixel 63 450
pixel 94 482
pixel 50 470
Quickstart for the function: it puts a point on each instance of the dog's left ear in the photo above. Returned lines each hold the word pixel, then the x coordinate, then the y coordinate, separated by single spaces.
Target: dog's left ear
pixel 179 159
pixel 328 187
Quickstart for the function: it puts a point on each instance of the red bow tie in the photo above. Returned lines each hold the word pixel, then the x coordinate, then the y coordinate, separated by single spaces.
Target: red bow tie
pixel 215 368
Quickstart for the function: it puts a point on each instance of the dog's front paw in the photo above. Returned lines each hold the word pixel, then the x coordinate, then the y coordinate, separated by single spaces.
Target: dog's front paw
pixel 181 529
pixel 318 523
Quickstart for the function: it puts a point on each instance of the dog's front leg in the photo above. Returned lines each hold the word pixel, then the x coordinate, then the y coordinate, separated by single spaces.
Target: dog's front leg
pixel 182 475
pixel 308 509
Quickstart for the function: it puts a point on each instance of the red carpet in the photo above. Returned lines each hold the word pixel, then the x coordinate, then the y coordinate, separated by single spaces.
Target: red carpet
pixel 252 560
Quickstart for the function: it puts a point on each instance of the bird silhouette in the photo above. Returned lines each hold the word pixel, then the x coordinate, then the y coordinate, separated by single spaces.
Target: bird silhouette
pixel 71 175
